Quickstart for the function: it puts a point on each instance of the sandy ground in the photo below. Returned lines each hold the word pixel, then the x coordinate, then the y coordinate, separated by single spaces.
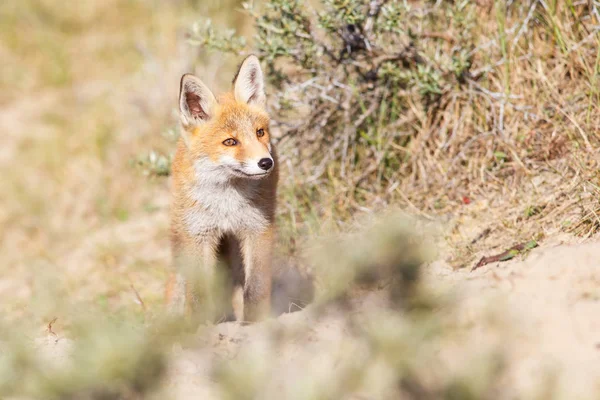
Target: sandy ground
pixel 544 310
pixel 550 300
pixel 546 307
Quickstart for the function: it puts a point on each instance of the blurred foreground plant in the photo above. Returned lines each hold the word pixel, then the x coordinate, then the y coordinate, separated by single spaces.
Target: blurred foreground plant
pixel 103 360
pixel 387 336
pixel 385 254
pixel 375 331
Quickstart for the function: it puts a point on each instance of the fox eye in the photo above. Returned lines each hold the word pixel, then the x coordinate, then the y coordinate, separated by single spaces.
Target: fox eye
pixel 230 142
pixel 260 132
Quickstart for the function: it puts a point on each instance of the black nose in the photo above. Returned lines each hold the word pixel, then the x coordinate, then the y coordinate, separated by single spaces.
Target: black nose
pixel 265 163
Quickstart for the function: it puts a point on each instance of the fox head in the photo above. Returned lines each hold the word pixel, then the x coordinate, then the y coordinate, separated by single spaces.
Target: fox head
pixel 231 134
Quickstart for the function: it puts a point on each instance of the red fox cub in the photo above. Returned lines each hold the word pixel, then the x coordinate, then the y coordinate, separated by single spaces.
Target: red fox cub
pixel 223 196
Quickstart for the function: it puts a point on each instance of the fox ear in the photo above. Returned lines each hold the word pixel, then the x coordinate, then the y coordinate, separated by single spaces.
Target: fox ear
pixel 249 83
pixel 196 101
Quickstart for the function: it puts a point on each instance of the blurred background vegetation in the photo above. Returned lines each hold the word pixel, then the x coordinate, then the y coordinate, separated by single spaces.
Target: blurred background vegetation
pixel 479 115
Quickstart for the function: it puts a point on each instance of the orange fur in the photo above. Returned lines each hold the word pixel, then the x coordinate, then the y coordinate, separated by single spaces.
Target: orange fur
pixel 243 234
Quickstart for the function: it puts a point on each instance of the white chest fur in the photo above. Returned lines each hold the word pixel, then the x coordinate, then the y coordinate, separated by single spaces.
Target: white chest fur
pixel 223 206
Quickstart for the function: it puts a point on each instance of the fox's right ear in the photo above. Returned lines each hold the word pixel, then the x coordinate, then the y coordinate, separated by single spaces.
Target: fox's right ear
pixel 196 101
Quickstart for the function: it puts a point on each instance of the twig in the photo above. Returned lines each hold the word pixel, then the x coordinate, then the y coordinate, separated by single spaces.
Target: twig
pixel 482 235
pixel 525 24
pixel 588 145
pixel 374 9
pixel 506 255
pixel 137 295
pixel 437 35
pixel 290 304
pixel 49 328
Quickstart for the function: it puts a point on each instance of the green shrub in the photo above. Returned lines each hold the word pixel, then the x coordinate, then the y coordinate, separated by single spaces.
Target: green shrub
pixel 380 102
pixel 344 79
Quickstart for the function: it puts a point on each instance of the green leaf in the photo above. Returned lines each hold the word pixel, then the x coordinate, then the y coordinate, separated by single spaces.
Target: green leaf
pixel 500 156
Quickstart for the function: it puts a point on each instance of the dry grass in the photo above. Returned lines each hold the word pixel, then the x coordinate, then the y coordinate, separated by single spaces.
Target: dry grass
pixel 86 90
pixel 464 112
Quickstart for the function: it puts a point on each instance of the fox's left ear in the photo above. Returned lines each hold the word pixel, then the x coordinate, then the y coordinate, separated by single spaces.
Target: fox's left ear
pixel 249 83
pixel 196 101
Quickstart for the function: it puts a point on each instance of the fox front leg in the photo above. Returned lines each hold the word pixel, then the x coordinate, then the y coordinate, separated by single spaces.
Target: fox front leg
pixel 257 254
pixel 193 281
